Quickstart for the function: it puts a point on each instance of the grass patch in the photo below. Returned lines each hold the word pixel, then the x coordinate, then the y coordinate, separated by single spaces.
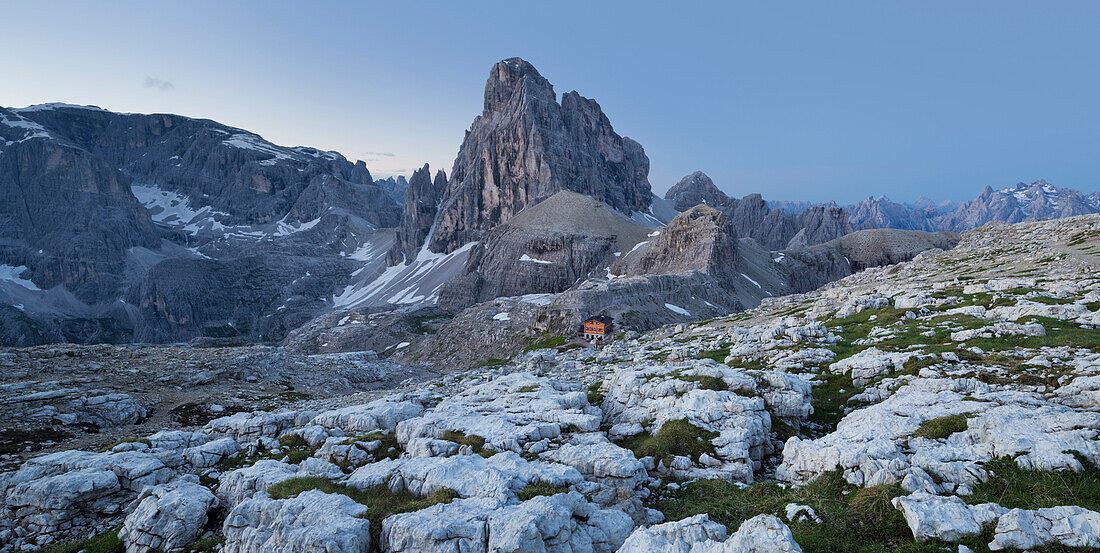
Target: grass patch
pixel 718 355
pixel 1017 488
pixel 545 342
pixel 677 437
pixel 941 427
pixel 107 542
pixel 204 545
pixel 491 362
pixel 1050 301
pixel 831 393
pixel 540 488
pixel 531 388
pixel 381 502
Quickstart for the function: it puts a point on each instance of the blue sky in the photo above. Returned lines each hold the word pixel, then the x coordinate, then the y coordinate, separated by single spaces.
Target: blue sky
pixel 795 100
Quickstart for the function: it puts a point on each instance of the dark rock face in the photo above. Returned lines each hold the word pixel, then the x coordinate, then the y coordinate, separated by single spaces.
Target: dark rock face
pixel 65 213
pixel 752 218
pixel 545 249
pixel 233 171
pixel 525 147
pixel 163 227
pixel 812 267
pixel 421 205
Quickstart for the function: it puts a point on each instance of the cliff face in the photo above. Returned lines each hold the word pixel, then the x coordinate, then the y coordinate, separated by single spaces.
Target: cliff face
pixel 66 214
pixel 525 147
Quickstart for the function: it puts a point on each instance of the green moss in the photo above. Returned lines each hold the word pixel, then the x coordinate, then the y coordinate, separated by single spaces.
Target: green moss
pixel 677 437
pixel 941 427
pixel 204 545
pixel 491 363
pixel 527 389
pixel 381 502
pixel 540 488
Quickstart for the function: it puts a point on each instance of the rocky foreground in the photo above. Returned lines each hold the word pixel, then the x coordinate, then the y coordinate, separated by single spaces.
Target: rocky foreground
pixel 951 403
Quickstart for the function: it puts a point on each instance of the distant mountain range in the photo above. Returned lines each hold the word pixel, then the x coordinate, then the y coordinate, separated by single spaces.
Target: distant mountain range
pixel 1037 201
pixel 119 227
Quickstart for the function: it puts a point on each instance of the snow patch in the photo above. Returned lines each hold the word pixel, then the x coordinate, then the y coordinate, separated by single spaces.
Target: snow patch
pixel 677 309
pixel 526 257
pixel 11 274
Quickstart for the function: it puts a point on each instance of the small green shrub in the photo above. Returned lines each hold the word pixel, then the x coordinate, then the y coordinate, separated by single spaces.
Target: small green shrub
pixel 476 443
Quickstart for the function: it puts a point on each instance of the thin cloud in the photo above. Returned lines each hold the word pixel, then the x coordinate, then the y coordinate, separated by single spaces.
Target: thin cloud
pixel 374 156
pixel 158 83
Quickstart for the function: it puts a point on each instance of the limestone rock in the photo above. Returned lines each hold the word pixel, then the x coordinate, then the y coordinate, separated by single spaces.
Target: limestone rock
pixel 312 522
pixel 167 517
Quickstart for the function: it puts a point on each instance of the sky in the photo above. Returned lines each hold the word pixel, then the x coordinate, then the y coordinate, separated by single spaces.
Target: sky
pixel 808 101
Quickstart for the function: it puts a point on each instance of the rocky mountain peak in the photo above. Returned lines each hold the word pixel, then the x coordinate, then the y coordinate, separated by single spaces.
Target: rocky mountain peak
pixel 525 147
pixel 421 204
pixel 696 188
pixel 514 79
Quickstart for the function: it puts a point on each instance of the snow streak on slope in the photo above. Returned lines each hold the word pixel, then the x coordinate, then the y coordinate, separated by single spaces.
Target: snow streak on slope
pixel 413 283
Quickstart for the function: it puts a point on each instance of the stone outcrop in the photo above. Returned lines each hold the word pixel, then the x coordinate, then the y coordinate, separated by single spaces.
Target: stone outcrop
pixel 526 147
pixel 697 534
pixel 700 239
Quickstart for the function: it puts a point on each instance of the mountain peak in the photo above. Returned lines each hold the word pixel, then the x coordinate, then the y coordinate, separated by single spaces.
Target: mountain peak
pixel 515 77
